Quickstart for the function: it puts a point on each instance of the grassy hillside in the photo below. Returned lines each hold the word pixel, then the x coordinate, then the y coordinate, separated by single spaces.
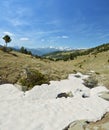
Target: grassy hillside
pixel 13 64
pixel 66 55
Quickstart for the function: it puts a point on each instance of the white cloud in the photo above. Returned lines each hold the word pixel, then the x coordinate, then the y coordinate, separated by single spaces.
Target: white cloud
pixel 8 33
pixel 64 37
pixel 24 39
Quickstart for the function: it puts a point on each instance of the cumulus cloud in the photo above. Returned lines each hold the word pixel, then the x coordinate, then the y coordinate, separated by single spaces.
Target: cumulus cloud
pixel 24 39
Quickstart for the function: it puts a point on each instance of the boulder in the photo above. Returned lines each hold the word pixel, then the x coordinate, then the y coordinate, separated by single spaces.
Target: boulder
pixel 77 125
pixel 102 124
pixel 82 93
pixel 104 95
pixel 90 82
pixel 65 94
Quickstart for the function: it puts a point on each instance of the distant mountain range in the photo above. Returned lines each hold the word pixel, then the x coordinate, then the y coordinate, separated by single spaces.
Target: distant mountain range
pixel 46 50
pixel 42 51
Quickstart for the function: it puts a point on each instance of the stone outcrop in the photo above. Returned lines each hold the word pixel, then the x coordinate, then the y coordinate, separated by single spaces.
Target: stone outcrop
pixel 77 125
pixel 66 95
pixel 104 95
pixel 103 124
pixel 83 93
pixel 90 82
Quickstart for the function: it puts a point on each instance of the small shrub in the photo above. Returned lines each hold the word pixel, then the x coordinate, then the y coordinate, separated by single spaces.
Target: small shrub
pixel 97 73
pixel 4 49
pixel 80 66
pixel 74 71
pixel 33 78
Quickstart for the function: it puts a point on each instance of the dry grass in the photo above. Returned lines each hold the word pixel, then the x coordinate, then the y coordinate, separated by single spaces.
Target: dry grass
pixel 13 64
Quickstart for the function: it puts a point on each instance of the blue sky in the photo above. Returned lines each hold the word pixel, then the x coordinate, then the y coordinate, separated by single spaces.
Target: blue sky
pixel 56 23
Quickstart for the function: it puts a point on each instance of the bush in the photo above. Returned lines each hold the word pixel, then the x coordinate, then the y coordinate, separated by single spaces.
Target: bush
pixel 4 49
pixel 80 66
pixel 33 78
pixel 97 73
pixel 25 51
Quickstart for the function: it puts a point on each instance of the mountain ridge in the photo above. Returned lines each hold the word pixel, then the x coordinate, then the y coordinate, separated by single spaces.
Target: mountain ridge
pixel 66 55
pixel 45 50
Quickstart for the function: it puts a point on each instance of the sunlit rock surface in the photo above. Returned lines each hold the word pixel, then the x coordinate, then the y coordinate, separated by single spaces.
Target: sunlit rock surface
pixel 39 109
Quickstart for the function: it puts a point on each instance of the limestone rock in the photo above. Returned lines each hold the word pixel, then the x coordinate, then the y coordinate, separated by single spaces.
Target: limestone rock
pixel 90 82
pixel 82 93
pixel 77 125
pixel 65 94
pixel 104 95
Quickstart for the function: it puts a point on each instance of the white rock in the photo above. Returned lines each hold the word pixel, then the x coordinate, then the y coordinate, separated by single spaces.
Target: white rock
pixel 39 109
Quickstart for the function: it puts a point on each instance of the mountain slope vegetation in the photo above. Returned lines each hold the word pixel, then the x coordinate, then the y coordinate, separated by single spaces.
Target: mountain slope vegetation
pixel 66 55
pixel 13 66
